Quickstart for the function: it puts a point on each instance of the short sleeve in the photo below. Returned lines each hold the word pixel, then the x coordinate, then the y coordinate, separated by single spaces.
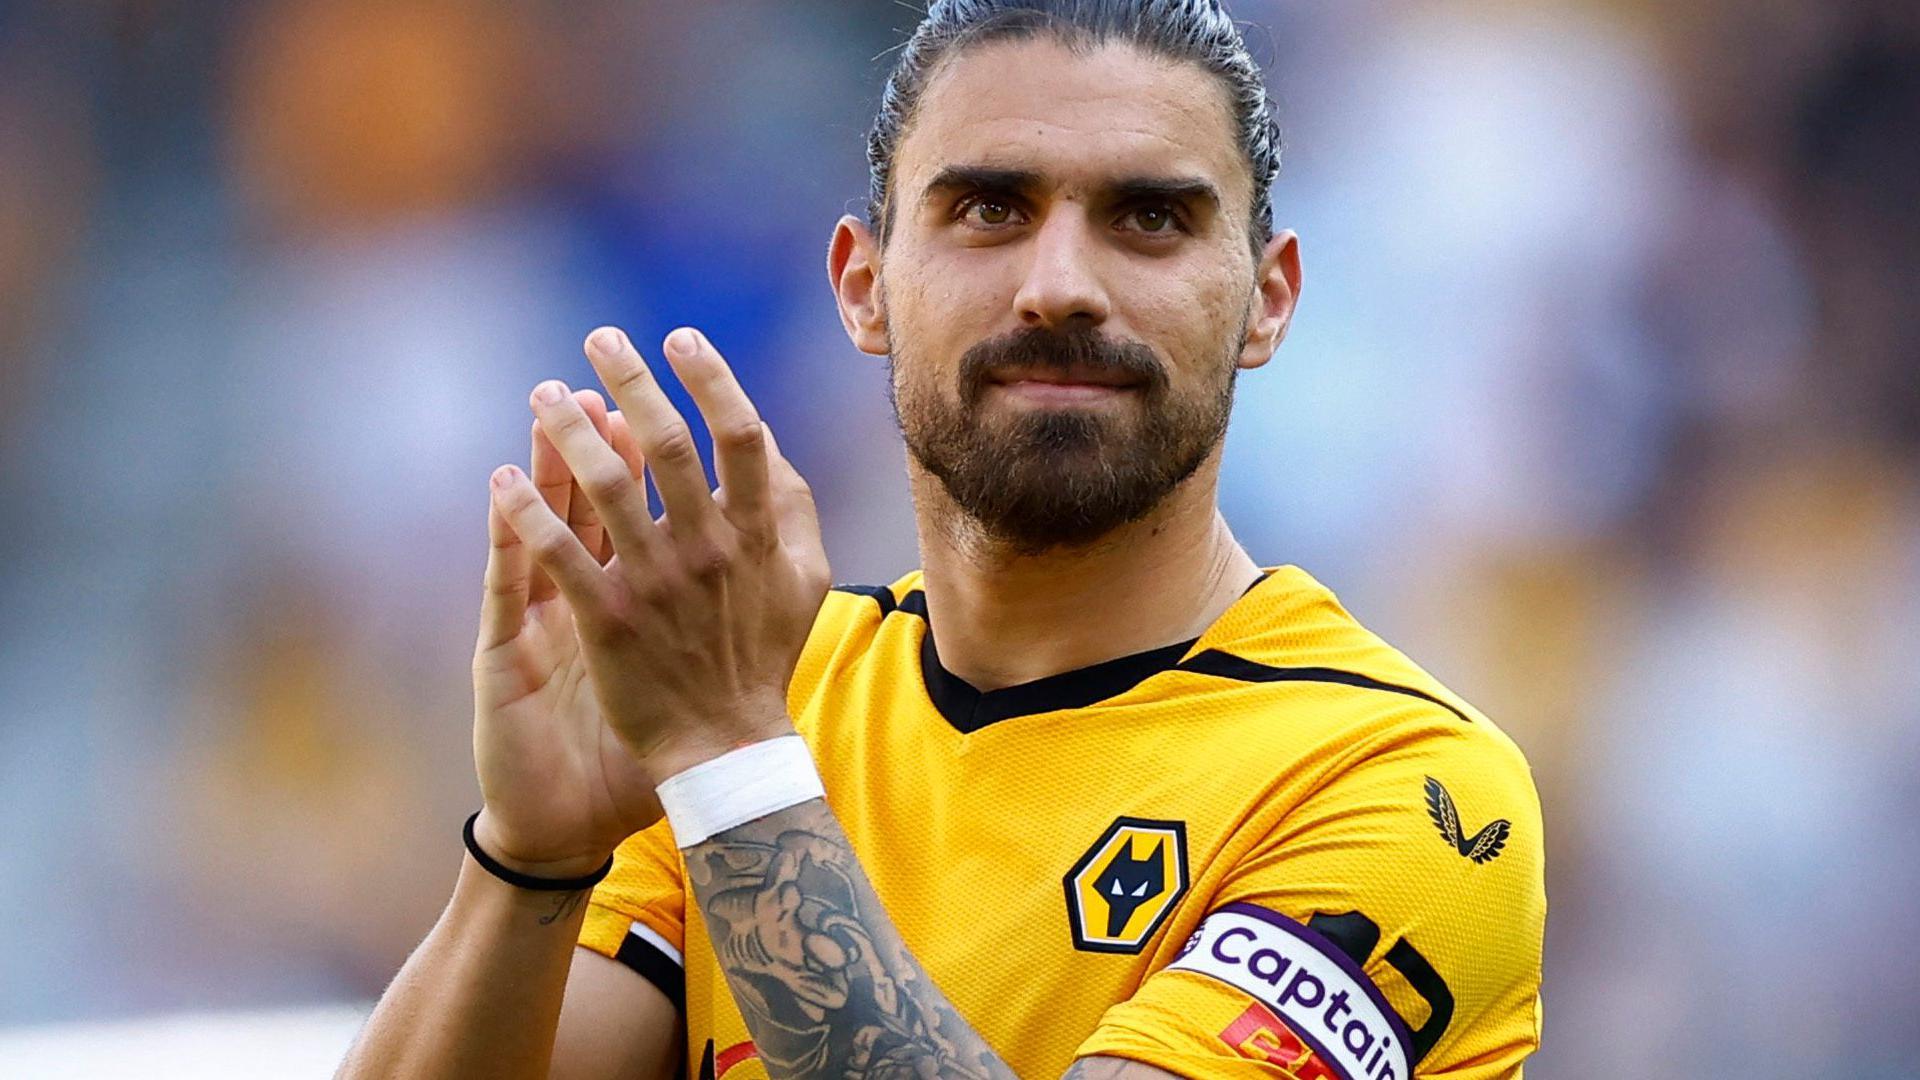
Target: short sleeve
pixel 638 914
pixel 1389 926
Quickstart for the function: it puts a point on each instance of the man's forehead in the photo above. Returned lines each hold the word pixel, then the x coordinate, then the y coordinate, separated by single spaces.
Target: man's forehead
pixel 1073 117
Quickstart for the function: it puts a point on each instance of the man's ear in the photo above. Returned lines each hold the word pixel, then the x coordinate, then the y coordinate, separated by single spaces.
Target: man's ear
pixel 853 269
pixel 1276 290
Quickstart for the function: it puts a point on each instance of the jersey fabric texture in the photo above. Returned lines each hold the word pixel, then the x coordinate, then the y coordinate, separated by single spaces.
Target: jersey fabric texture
pixel 1279 850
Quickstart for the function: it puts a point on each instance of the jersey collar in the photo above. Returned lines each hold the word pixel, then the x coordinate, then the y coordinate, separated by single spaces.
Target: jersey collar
pixel 969 709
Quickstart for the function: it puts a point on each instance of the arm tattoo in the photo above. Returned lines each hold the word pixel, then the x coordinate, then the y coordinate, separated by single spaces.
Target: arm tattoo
pixel 822 978
pixel 564 905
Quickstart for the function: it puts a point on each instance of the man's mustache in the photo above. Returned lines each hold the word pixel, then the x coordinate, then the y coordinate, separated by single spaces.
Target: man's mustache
pixel 1085 350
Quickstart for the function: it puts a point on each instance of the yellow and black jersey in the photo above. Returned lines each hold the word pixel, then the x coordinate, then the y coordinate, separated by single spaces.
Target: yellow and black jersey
pixel 1278 850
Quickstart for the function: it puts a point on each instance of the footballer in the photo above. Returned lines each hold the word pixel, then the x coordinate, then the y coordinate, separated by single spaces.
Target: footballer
pixel 1089 794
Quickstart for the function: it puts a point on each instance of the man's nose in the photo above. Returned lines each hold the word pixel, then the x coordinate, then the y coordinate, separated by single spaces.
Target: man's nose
pixel 1062 282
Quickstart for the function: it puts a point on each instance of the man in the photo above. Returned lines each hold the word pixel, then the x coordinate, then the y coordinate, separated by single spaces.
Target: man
pixel 1102 797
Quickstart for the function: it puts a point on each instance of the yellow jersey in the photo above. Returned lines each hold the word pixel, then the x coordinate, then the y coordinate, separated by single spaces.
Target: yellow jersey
pixel 1279 850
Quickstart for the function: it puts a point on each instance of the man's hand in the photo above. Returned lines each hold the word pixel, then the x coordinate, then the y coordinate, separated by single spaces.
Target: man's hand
pixel 561 792
pixel 690 632
pixel 482 994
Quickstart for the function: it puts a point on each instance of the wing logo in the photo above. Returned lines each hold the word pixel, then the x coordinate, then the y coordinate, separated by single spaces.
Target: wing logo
pixel 1483 846
pixel 1126 884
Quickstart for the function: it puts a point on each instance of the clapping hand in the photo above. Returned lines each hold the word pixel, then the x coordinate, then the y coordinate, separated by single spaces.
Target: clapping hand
pixel 617 649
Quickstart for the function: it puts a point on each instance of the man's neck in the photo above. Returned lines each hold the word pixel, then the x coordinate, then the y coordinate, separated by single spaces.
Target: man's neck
pixel 1003 619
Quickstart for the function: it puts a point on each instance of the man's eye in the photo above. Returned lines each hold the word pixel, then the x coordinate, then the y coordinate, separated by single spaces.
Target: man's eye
pixel 987 211
pixel 1156 219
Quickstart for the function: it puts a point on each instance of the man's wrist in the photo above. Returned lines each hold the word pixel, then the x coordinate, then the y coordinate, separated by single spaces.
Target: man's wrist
pixel 559 868
pixel 742 785
pixel 672 757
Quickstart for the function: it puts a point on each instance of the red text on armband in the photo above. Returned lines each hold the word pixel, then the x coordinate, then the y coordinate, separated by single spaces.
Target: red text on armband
pixel 1262 1036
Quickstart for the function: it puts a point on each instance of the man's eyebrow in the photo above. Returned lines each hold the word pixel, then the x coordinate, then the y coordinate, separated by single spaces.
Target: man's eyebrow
pixel 1170 188
pixel 1021 181
pixel 980 178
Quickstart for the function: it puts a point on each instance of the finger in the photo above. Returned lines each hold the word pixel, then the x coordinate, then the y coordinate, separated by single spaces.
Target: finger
pixel 550 544
pixel 621 436
pixel 582 517
pixel 620 501
pixel 794 512
pixel 555 483
pixel 595 407
pixel 658 428
pixel 739 438
pixel 509 567
pixel 550 474
pixel 625 446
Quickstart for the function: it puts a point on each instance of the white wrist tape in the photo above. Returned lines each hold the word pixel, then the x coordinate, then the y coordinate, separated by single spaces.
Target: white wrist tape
pixel 737 787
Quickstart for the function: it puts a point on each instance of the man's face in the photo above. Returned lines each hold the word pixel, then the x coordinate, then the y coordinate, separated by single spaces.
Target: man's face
pixel 1067 285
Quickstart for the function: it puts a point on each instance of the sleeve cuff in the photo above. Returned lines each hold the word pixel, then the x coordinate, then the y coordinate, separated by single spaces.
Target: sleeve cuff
pixel 656 961
pixel 630 941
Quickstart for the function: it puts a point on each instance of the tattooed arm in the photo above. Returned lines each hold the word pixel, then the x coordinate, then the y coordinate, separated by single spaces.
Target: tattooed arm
pixel 822 977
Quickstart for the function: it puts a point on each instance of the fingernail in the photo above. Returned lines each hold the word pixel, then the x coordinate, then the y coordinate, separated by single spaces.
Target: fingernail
pixel 550 391
pixel 503 476
pixel 606 339
pixel 683 342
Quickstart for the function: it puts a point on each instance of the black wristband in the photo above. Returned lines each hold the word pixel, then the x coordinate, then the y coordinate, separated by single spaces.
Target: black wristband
pixel 528 881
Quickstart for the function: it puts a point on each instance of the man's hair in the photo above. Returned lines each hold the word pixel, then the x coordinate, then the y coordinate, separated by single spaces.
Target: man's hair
pixel 1199 31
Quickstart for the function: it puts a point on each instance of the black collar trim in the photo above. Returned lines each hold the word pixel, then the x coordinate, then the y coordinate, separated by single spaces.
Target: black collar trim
pixel 969 709
pixel 879 594
pixel 1228 666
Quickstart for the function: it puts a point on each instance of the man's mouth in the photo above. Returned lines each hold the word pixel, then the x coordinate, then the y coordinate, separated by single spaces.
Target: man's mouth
pixel 1065 375
pixel 1061 385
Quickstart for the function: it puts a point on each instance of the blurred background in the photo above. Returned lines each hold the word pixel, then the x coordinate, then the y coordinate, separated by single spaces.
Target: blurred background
pixel 1603 402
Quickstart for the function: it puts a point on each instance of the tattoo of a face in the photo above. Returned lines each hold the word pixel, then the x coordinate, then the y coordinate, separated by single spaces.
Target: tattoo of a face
pixel 819 972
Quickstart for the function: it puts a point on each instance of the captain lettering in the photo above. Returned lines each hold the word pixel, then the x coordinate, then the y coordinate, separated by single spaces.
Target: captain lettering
pixel 1320 996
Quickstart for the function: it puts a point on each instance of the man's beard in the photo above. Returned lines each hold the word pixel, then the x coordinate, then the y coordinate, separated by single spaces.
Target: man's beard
pixel 1042 479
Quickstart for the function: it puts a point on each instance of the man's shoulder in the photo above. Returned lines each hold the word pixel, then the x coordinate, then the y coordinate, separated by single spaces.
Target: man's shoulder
pixel 849 618
pixel 855 609
pixel 1290 629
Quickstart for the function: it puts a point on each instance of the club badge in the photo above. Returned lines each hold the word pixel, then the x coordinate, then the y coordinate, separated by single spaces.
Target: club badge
pixel 1127 884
